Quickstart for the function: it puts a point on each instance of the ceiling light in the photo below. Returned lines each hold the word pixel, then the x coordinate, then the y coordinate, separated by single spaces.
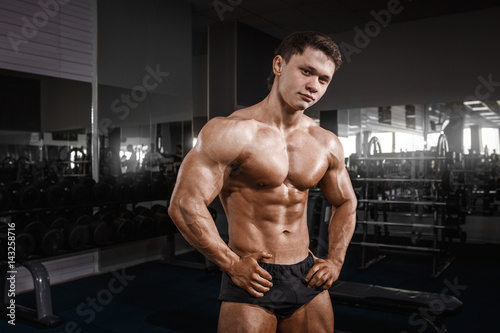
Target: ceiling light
pixel 480 108
pixel 472 102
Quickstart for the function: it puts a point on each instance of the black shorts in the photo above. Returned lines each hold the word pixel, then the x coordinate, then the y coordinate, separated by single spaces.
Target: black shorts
pixel 288 293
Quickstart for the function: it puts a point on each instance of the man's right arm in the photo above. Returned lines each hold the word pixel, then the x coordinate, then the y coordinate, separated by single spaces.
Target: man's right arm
pixel 201 177
pixel 199 181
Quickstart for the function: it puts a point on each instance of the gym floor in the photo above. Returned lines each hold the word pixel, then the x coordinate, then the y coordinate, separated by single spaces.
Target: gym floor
pixel 155 297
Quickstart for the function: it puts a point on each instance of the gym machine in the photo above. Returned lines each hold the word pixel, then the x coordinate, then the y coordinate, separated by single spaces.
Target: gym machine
pixel 407 203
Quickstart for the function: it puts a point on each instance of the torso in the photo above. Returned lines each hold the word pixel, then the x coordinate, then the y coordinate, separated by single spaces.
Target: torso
pixel 265 197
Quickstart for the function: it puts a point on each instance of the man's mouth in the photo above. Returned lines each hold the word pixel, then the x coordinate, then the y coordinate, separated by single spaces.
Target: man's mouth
pixel 307 97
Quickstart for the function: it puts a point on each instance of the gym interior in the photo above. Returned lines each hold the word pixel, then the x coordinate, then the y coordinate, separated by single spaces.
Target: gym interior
pixel 102 100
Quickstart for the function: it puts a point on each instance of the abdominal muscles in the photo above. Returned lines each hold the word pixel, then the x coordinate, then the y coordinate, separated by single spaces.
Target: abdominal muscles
pixel 268 219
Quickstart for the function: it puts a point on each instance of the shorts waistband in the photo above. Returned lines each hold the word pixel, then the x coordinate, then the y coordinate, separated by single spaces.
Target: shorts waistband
pixel 303 265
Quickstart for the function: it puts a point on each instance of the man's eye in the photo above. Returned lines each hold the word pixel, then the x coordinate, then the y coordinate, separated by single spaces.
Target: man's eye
pixel 305 71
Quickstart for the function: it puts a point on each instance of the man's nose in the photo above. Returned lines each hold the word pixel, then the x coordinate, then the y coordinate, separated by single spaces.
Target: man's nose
pixel 312 85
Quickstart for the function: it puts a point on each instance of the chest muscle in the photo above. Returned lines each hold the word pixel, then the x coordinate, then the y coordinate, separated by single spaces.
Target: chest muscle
pixel 274 160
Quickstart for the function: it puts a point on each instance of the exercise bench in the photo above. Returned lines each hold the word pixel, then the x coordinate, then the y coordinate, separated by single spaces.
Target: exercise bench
pixel 431 307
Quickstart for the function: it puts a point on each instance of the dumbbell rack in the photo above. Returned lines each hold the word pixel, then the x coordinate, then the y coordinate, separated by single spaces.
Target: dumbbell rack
pixel 37 266
pixel 421 200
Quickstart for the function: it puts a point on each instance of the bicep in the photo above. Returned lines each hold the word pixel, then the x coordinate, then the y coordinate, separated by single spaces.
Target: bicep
pixel 336 186
pixel 200 178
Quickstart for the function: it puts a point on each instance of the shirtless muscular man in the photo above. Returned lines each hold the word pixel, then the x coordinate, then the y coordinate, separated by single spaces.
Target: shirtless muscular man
pixel 261 161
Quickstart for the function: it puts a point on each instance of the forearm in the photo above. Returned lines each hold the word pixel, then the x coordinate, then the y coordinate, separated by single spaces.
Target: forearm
pixel 340 231
pixel 197 226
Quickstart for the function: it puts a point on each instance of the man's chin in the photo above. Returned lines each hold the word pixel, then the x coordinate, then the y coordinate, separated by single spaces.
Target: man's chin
pixel 304 106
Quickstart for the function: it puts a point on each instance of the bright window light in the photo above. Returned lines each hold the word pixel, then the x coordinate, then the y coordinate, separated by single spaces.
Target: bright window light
pixel 489 137
pixel 432 140
pixel 385 139
pixel 408 142
pixel 349 145
pixel 466 139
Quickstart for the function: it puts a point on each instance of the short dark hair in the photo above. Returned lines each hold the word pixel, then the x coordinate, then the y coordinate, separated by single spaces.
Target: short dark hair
pixel 297 42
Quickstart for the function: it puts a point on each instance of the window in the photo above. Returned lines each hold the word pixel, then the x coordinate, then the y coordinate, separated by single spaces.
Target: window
pixel 408 142
pixel 490 139
pixel 385 139
pixel 467 140
pixel 349 145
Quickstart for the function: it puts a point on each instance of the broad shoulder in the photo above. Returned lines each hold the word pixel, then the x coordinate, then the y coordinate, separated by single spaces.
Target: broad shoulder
pixel 327 139
pixel 224 138
pixel 234 126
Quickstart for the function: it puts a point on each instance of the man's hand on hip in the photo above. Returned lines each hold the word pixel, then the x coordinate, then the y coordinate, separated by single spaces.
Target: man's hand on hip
pixel 248 275
pixel 323 274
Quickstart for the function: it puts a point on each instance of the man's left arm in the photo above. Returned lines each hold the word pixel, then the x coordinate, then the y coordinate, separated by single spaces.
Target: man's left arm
pixel 337 188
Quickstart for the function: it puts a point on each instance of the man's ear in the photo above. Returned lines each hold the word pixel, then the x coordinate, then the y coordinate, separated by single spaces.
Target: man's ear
pixel 277 65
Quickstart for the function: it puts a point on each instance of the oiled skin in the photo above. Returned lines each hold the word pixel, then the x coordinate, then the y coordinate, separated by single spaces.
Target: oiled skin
pixel 261 161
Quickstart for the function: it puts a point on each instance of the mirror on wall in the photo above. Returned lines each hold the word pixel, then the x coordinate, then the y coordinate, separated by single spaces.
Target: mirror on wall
pixel 156 148
pixel 44 127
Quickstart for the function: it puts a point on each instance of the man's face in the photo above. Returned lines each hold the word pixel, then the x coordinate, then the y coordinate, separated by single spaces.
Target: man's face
pixel 304 78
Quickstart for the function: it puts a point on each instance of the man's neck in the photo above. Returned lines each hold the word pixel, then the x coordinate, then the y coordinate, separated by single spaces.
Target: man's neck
pixel 274 111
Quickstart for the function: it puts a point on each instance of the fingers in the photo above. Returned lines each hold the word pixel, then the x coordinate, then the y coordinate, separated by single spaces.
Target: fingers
pixel 258 285
pixel 264 278
pixel 320 276
pixel 312 272
pixel 262 254
pixel 253 278
pixel 264 274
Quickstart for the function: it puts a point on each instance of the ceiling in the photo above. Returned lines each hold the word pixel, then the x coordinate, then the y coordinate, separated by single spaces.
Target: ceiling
pixel 279 18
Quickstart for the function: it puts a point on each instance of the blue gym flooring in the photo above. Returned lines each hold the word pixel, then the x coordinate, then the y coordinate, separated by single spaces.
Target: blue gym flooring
pixel 154 297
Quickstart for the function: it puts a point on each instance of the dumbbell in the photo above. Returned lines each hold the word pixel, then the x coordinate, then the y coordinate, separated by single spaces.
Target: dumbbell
pixel 25 246
pixel 29 197
pixel 121 223
pixel 102 191
pixel 142 186
pixel 58 193
pixel 100 232
pixel 123 188
pixel 49 241
pixel 146 216
pixel 23 195
pixel 164 224
pixel 52 192
pixel 24 243
pixel 76 235
pixel 126 214
pixel 123 230
pixel 141 210
pixel 144 224
pixel 159 186
pixel 82 190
